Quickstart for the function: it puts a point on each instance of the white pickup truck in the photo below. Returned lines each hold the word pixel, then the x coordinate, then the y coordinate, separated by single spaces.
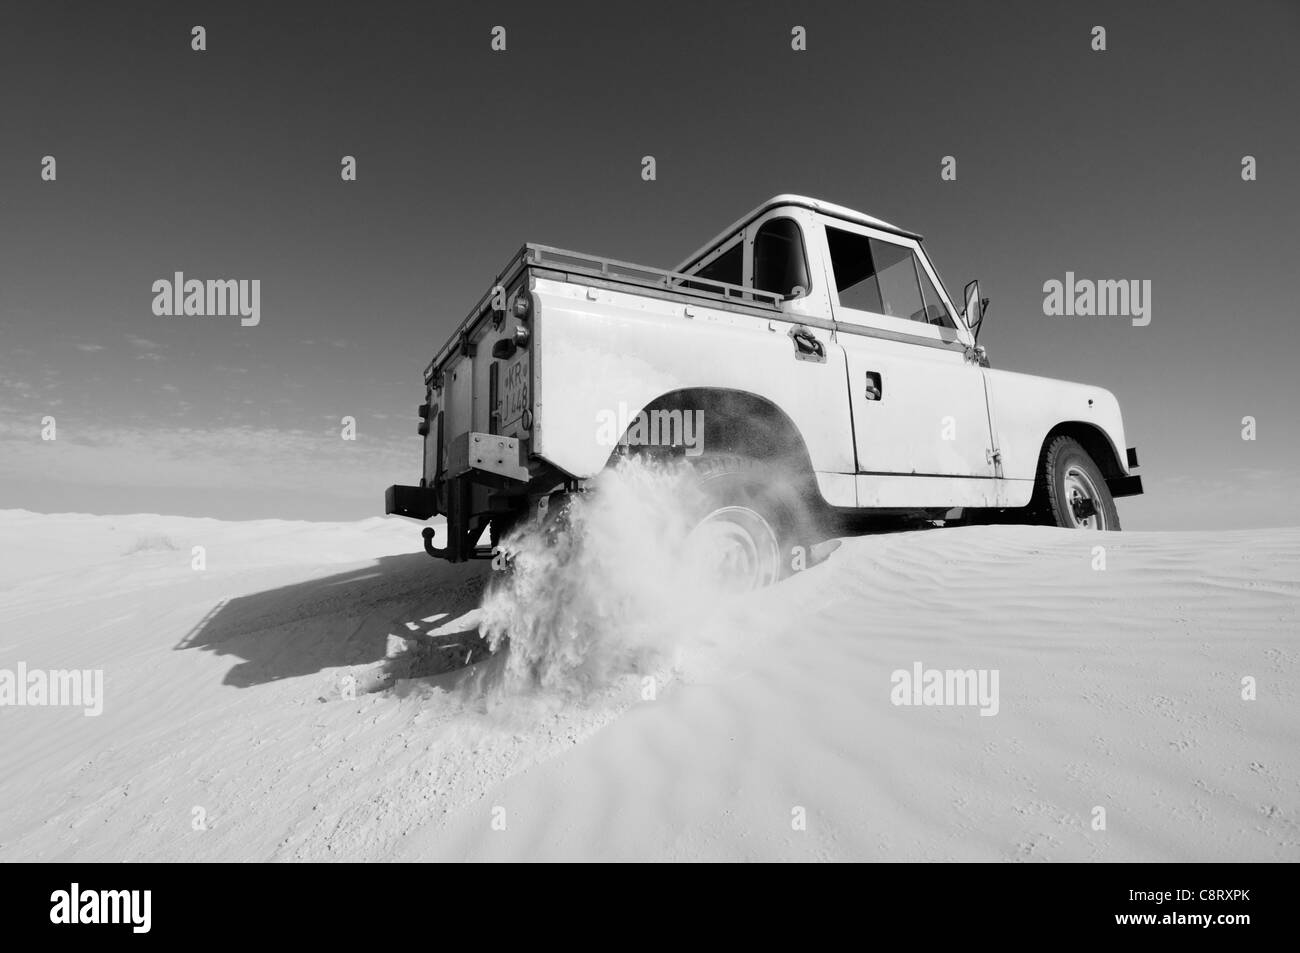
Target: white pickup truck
pixel 808 363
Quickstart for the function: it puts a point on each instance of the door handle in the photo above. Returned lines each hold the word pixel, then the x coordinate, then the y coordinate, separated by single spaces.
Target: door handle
pixel 875 386
pixel 806 345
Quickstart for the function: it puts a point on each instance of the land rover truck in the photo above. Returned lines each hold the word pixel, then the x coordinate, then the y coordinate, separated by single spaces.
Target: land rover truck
pixel 808 364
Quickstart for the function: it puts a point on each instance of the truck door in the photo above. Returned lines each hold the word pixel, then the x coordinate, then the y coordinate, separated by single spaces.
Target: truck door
pixel 918 403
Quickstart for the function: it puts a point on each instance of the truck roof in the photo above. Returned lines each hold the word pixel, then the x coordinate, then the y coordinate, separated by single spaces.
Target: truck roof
pixel 803 201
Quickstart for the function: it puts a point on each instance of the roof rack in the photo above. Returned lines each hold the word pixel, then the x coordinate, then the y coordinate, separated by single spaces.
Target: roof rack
pixel 598 267
pixel 610 269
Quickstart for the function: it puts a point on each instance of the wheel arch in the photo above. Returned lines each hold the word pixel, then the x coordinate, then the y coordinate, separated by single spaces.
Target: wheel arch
pixel 740 422
pixel 1093 439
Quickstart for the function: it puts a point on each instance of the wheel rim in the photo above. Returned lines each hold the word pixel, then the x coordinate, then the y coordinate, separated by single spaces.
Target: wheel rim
pixel 734 548
pixel 1083 502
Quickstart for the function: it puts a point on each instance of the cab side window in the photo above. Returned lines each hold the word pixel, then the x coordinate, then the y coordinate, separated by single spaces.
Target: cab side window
pixel 936 312
pixel 855 271
pixel 883 278
pixel 899 290
pixel 780 264
pixel 728 267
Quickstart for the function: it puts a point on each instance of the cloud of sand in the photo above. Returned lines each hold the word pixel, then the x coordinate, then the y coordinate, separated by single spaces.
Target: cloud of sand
pixel 603 590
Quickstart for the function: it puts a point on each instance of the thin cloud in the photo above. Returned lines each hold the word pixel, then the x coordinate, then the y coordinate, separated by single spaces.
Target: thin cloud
pixel 22 388
pixel 217 458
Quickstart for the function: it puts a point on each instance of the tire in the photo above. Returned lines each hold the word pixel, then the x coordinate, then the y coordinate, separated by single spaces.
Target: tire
pixel 1071 490
pixel 748 518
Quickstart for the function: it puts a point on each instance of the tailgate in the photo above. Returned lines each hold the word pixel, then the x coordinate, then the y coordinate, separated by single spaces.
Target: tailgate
pixel 483 385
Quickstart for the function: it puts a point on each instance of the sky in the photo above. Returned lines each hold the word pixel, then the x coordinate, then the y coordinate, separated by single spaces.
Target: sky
pixel 225 163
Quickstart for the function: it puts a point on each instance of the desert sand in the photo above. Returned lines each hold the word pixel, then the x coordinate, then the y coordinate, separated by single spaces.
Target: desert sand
pixel 306 696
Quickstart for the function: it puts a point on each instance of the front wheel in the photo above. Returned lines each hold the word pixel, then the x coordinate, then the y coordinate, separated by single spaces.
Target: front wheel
pixel 1071 491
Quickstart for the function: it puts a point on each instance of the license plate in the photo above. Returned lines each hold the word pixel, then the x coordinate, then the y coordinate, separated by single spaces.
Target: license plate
pixel 513 397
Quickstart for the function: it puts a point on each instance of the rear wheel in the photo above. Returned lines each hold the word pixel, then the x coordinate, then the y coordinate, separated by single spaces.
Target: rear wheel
pixel 748 519
pixel 1071 489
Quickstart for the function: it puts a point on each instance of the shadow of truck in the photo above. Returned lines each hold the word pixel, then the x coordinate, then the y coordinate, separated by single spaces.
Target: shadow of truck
pixel 408 616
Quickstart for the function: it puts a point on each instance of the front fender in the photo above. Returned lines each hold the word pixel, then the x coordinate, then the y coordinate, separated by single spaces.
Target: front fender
pixel 1025 409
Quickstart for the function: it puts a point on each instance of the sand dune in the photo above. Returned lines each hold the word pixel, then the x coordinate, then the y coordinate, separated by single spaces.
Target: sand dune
pixel 226 699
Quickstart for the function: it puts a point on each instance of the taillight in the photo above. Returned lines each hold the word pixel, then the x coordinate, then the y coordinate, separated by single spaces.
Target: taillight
pixel 523 305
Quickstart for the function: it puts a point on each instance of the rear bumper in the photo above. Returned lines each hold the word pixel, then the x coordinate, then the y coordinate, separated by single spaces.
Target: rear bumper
pixel 417 502
pixel 478 465
pixel 462 529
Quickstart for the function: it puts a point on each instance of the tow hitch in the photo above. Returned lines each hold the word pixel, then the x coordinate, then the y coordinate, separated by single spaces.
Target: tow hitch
pixel 440 552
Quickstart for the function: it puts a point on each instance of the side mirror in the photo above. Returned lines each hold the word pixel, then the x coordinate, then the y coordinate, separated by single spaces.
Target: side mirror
pixel 976 307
